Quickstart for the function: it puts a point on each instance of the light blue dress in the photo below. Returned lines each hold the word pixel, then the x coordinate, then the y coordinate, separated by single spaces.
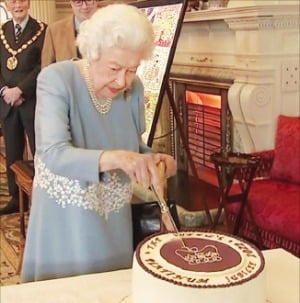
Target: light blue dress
pixel 80 222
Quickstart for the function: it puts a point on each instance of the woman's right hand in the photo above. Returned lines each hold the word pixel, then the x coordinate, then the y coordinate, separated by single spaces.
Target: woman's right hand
pixel 141 168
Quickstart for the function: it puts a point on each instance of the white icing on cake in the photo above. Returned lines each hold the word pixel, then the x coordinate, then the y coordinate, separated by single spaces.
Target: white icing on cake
pixel 204 267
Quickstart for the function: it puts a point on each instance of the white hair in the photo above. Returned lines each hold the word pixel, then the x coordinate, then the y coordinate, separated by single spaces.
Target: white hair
pixel 115 25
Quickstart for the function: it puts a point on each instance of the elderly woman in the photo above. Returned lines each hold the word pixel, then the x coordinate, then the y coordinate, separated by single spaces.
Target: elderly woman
pixel 89 122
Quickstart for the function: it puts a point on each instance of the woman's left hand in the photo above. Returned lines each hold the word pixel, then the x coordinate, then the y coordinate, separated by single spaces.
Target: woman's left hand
pixel 151 165
pixel 169 161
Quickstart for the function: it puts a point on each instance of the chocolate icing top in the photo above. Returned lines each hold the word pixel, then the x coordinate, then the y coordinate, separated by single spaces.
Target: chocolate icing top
pixel 204 260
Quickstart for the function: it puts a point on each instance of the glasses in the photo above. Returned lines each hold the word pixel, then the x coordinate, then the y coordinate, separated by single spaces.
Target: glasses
pixel 15 1
pixel 80 2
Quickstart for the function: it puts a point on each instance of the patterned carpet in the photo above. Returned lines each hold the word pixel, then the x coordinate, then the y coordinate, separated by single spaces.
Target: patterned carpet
pixel 9 237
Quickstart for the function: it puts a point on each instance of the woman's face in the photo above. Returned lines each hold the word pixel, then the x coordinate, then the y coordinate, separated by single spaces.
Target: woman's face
pixel 115 70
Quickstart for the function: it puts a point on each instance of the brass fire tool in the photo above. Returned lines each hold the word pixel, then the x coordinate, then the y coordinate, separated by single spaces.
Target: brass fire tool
pixel 166 216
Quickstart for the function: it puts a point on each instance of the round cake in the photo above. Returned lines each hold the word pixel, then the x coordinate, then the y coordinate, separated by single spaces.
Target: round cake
pixel 197 267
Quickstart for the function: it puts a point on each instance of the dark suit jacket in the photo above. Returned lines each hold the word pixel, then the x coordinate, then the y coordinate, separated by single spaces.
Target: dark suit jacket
pixel 29 65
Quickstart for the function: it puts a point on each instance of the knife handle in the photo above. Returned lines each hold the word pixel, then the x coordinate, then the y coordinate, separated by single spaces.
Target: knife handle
pixel 162 172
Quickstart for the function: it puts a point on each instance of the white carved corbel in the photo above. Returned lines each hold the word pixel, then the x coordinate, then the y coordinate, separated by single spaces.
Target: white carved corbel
pixel 252 110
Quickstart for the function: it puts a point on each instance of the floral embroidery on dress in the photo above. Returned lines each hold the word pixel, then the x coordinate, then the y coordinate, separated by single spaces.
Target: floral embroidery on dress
pixel 108 195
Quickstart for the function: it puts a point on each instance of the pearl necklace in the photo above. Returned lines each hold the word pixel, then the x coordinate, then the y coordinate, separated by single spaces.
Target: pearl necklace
pixel 101 107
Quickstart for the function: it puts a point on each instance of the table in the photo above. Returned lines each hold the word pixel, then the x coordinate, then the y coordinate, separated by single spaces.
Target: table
pixel 229 167
pixel 24 173
pixel 282 285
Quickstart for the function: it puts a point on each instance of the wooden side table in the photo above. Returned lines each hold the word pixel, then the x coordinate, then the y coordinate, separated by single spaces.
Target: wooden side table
pixel 230 167
pixel 24 172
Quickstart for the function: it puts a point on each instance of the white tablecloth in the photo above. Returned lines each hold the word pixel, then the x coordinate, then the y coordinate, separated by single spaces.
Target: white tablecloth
pixel 282 271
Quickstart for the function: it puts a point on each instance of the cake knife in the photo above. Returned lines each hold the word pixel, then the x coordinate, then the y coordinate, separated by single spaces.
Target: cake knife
pixel 166 216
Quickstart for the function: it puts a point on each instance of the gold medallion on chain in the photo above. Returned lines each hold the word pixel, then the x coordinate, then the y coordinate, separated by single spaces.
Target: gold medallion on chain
pixel 12 63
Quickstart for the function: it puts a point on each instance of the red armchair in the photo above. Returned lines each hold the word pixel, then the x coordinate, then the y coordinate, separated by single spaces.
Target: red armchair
pixel 272 216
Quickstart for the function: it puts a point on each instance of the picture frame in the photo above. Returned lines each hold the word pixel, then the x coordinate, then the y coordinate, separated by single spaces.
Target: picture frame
pixel 167 18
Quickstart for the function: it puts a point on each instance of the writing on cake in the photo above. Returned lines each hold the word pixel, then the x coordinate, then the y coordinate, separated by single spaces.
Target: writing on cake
pixel 174 275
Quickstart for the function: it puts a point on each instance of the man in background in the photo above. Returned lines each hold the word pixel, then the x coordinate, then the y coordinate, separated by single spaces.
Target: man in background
pixel 21 42
pixel 60 36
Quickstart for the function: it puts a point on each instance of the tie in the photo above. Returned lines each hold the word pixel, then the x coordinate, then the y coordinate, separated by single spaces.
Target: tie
pixel 18 32
pixel 77 50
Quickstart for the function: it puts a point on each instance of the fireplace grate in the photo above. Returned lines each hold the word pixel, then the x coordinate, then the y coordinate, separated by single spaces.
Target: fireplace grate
pixel 203 132
pixel 206 126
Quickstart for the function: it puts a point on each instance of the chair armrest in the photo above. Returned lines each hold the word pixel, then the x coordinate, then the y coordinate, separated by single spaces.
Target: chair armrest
pixel 263 168
pixel 265 163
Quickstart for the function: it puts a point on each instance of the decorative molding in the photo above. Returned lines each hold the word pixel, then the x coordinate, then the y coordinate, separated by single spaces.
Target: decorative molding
pixel 241 12
pixel 216 75
pixel 261 96
pixel 251 107
pixel 264 23
pixel 255 76
pixel 204 59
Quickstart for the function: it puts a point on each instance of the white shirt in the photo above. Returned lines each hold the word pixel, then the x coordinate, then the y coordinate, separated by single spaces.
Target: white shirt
pixel 22 24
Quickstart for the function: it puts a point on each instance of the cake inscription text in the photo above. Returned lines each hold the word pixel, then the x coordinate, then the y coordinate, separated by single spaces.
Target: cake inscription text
pixel 154 242
pixel 249 268
pixel 245 249
pixel 173 275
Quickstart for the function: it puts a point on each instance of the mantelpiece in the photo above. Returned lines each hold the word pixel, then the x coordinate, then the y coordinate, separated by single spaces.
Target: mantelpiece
pixel 256 46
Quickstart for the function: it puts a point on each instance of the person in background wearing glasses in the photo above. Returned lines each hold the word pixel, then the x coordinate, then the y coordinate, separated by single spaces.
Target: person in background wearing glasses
pixel 21 41
pixel 60 36
pixel 87 161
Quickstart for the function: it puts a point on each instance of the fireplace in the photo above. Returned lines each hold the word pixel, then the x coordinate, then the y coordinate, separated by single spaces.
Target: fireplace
pixel 206 122
pixel 256 48
pixel 248 56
